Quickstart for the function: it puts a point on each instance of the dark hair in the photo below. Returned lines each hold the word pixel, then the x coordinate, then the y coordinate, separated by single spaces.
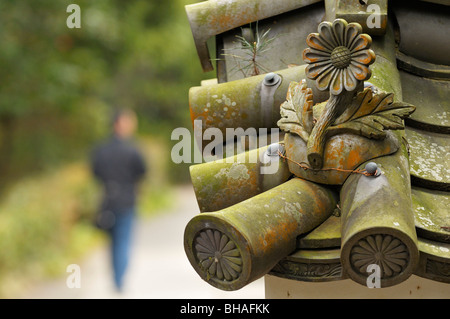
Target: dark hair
pixel 118 113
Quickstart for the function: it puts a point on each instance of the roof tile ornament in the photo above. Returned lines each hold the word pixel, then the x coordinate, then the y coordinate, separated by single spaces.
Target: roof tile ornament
pixel 218 255
pixel 338 56
pixel 249 224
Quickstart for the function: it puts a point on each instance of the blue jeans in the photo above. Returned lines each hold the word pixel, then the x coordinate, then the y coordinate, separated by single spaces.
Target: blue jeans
pixel 121 233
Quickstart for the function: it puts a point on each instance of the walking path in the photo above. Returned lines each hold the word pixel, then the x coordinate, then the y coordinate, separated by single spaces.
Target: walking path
pixel 159 268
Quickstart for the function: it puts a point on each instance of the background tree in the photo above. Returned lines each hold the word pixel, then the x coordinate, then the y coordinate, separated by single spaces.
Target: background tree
pixel 58 85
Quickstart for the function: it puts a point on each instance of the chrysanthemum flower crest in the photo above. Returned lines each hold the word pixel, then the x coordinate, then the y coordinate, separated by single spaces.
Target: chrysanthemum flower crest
pixel 338 56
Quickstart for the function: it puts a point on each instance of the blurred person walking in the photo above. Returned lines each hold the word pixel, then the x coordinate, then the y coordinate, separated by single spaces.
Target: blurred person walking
pixel 118 165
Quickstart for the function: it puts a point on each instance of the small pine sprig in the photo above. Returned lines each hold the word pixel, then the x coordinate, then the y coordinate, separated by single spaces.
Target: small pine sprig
pixel 248 63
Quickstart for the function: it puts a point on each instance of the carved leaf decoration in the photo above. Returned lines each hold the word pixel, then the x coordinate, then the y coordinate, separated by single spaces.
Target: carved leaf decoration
pixel 296 112
pixel 371 114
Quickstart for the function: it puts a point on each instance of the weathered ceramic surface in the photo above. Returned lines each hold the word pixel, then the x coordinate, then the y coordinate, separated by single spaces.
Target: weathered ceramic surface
pixel 427 40
pixel 238 104
pixel 431 211
pixel 285 32
pixel 222 183
pixel 218 185
pixel 326 235
pixel 422 68
pixel 423 55
pixel 232 247
pixel 429 158
pixel 434 261
pixel 339 56
pixel 432 101
pixel 324 264
pixel 306 265
pixel 339 64
pixel 342 152
pixel 431 220
pixel 378 223
pixel 430 215
pixel 380 215
pixel 213 17
pixel 386 77
pixel 357 11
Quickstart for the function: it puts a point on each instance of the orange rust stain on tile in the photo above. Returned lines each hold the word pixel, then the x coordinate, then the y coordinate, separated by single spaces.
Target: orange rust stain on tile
pixel 284 231
pixel 193 115
pixel 240 186
pixel 340 151
pixel 216 113
pixel 231 111
pixel 333 153
pixel 233 191
pixel 222 21
pixel 354 157
pixel 228 20
pixel 208 120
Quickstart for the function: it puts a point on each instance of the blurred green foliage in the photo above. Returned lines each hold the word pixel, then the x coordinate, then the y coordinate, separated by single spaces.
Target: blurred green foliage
pixel 58 88
pixel 59 85
pixel 39 231
pixel 47 220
